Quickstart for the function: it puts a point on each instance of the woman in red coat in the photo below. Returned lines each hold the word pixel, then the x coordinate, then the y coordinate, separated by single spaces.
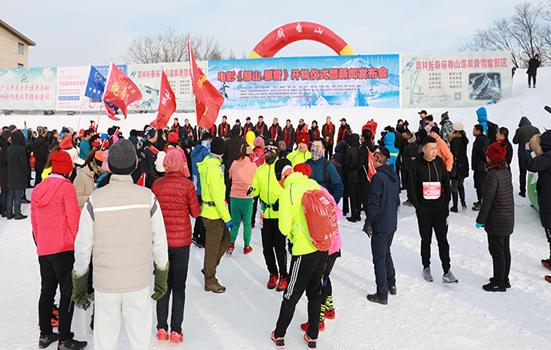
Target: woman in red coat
pixel 178 201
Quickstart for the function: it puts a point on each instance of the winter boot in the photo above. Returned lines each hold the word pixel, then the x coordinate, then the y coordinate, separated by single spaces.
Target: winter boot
pixel 247 250
pixel 71 344
pixel 176 337
pixel 310 343
pixel 427 275
pixel 462 197
pixel 230 249
pixel 329 308
pixel 46 340
pixel 546 263
pixel 376 298
pixel 162 334
pixel 272 282
pixel 304 326
pixel 392 290
pixel 282 284
pixel 455 198
pixel 494 287
pixel 477 206
pixel 507 283
pixel 279 342
pixel 449 278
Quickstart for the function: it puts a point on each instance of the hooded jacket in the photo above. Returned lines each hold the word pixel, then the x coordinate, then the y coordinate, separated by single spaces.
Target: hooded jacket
pixel 84 185
pixel 444 153
pixel 267 188
pixel 384 200
pixel 18 162
pixel 325 174
pixel 458 147
pixel 421 174
pixel 388 141
pixel 213 192
pixel 489 128
pixel 498 208
pixel 198 154
pixel 54 215
pixel 478 155
pixel 446 126
pixel 524 133
pixel 353 163
pixel 298 157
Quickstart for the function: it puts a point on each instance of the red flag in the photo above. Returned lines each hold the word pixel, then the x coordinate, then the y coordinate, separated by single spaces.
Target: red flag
pixel 167 104
pixel 208 99
pixel 120 92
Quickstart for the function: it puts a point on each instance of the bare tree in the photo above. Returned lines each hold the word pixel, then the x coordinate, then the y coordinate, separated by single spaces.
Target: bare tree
pixel 496 38
pixel 526 29
pixel 171 47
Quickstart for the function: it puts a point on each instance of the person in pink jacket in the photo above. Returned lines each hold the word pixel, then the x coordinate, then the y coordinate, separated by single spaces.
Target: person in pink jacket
pixel 55 217
pixel 241 203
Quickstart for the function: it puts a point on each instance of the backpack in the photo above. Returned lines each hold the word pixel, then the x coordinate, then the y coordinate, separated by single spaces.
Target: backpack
pixel 321 217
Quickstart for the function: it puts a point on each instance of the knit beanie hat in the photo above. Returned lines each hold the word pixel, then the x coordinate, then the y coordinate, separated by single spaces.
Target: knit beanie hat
pixel 217 146
pixel 280 167
pixel 61 162
pixel 173 137
pixel 303 138
pixel 496 152
pixel 66 142
pixel 304 169
pixel 122 158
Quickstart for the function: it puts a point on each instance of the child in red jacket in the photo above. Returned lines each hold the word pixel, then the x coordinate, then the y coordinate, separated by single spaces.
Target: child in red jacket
pixel 176 195
pixel 55 216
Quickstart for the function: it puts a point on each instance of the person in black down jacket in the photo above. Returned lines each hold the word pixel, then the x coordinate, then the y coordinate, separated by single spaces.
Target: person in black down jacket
pixel 41 152
pixel 522 136
pixel 381 223
pixel 340 158
pixel 542 165
pixel 497 215
pixel 429 193
pixel 458 146
pixel 353 171
pixel 18 172
pixel 4 144
pixel 533 65
pixel 363 154
pixel 503 138
pixel 478 162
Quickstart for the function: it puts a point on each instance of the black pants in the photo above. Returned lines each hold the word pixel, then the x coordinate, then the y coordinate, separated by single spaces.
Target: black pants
pixel 177 275
pixel 38 175
pixel 55 269
pixel 522 177
pixel 329 151
pixel 255 205
pixel 479 176
pixel 199 228
pixel 385 275
pixel 14 198
pixel 345 196
pixel 326 287
pixel 273 247
pixel 458 190
pixel 532 77
pixel 306 272
pixel 365 187
pixel 405 174
pixel 501 257
pixel 548 235
pixel 3 200
pixel 429 218
pixel 354 193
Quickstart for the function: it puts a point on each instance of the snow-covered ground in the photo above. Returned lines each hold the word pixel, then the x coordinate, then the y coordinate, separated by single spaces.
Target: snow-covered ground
pixel 422 316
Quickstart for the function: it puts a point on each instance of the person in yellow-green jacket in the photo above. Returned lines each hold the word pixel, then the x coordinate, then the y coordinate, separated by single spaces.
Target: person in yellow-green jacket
pixel 267 188
pixel 301 154
pixel 307 262
pixel 215 214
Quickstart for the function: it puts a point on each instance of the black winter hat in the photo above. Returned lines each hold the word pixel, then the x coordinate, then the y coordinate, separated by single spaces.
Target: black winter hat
pixel 217 146
pixel 545 141
pixel 280 165
pixel 122 158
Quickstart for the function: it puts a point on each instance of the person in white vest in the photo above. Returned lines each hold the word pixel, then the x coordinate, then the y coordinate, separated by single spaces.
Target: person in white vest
pixel 122 230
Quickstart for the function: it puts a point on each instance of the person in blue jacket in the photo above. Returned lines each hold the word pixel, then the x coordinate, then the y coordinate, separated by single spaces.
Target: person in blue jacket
pixel 388 140
pixel 488 128
pixel 199 152
pixel 381 224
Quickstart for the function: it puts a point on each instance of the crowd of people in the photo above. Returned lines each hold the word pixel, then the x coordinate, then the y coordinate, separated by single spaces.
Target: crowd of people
pixel 107 210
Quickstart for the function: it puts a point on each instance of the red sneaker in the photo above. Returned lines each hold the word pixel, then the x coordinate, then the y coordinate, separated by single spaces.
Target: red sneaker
pixel 247 250
pixel 282 284
pixel 230 249
pixel 162 334
pixel 272 282
pixel 330 314
pixel 304 326
pixel 176 337
pixel 548 279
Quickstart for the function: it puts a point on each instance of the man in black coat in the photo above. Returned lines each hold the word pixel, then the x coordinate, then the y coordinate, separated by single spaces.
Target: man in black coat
pixel 429 192
pixel 533 65
pixel 366 146
pixel 4 144
pixel 478 162
pixel 381 223
pixel 18 172
pixel 541 164
pixel 41 151
pixel 353 176
pixel 524 133
pixel 148 155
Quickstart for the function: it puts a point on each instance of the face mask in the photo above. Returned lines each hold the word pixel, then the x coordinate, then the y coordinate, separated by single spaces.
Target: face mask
pixel 316 154
pixel 270 157
pixel 206 144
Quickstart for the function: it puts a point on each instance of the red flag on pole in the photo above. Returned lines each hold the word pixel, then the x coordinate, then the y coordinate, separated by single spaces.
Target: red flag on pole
pixel 167 104
pixel 208 99
pixel 120 91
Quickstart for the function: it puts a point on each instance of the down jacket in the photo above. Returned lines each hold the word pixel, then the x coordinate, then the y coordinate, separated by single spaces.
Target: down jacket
pixel 498 208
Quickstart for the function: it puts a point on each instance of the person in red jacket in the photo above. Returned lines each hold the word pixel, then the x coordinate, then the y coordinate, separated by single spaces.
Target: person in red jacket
pixel 224 128
pixel 178 201
pixel 328 133
pixel 54 218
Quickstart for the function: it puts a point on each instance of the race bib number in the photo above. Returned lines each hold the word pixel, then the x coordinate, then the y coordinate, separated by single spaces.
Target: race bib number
pixel 432 190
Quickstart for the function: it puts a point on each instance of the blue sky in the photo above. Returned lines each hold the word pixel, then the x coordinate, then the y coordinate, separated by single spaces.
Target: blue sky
pixel 80 33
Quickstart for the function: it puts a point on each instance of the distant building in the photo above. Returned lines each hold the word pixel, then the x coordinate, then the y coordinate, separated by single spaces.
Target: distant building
pixel 14 47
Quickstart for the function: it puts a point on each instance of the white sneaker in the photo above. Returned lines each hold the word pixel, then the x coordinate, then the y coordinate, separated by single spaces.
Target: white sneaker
pixel 449 278
pixel 427 275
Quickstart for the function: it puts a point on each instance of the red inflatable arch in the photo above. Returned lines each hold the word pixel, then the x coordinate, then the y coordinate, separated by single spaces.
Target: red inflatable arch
pixel 291 32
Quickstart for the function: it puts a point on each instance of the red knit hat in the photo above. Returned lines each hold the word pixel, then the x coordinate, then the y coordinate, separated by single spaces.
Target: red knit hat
pixel 304 169
pixel 496 152
pixel 61 163
pixel 303 138
pixel 173 137
pixel 66 142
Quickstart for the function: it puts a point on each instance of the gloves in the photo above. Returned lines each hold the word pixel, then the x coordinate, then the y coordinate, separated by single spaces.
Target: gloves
pixel 249 191
pixel 368 229
pixel 479 226
pixel 229 225
pixel 80 291
pixel 161 283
